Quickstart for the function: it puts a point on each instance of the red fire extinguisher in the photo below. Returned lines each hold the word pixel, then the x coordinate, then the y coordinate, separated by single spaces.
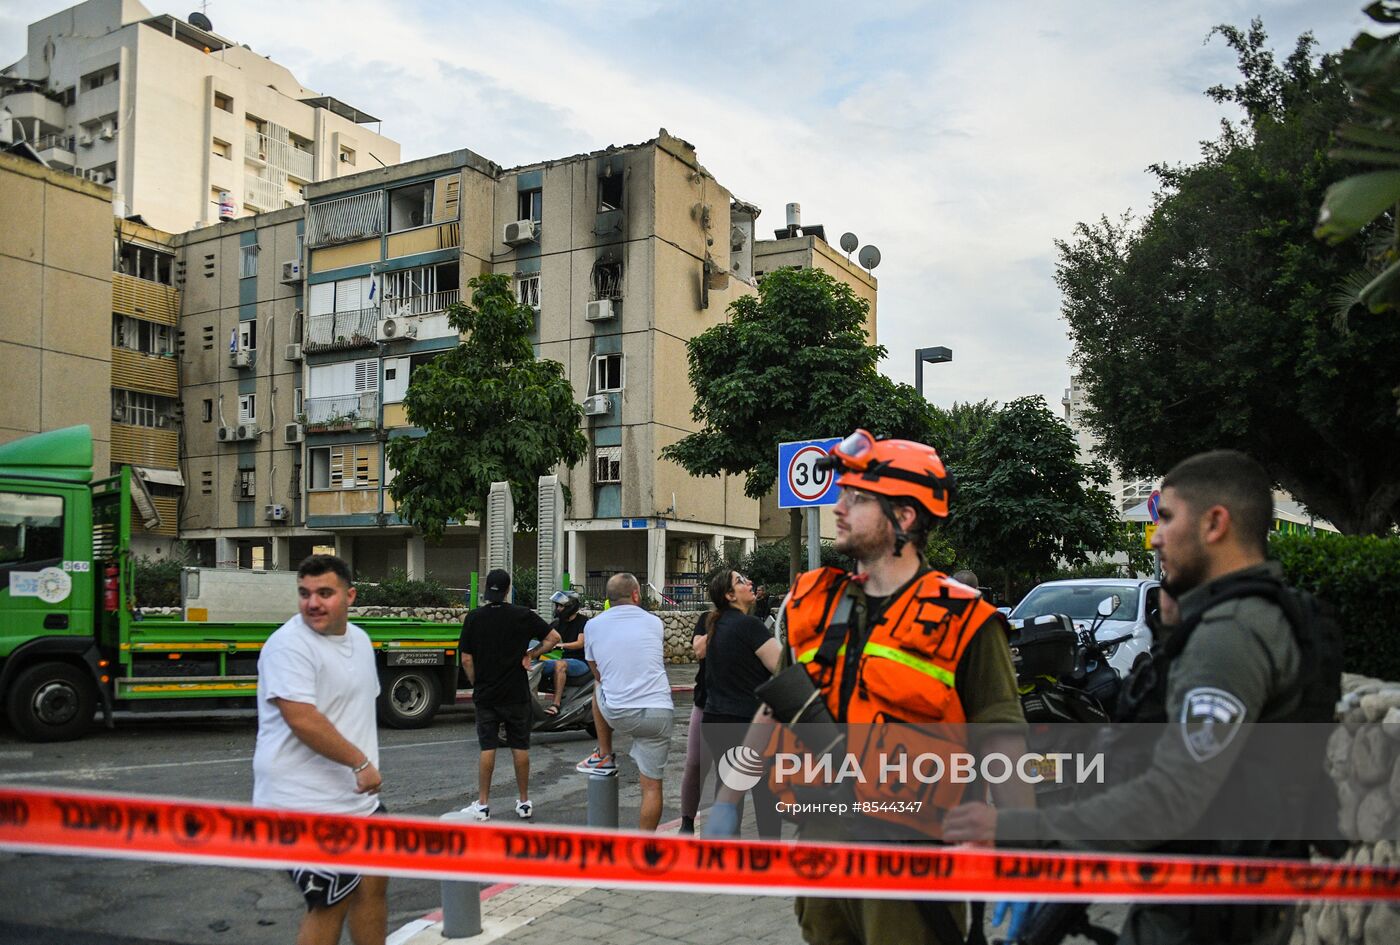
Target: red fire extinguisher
pixel 110 596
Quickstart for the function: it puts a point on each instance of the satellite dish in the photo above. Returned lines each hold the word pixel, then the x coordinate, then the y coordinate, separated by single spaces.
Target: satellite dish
pixel 869 257
pixel 849 242
pixel 200 21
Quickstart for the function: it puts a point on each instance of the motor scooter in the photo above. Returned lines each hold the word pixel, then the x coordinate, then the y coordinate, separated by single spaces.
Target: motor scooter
pixel 575 707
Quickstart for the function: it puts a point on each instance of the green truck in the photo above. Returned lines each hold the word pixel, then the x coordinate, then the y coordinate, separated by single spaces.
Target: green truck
pixel 72 641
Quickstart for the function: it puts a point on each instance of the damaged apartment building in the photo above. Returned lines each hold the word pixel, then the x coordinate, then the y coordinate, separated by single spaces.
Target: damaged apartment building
pixel 303 328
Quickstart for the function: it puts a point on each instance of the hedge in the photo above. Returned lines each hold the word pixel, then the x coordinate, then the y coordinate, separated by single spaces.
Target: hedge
pixel 397 590
pixel 1359 575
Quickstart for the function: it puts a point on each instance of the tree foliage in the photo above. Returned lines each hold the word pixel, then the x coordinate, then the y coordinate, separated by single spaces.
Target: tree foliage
pixel 1371 136
pixel 490 412
pixel 1207 324
pixel 1025 506
pixel 792 363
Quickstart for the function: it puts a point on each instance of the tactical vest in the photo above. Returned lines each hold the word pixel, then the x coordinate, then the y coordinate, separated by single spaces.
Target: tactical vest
pixel 1314 697
pixel 906 673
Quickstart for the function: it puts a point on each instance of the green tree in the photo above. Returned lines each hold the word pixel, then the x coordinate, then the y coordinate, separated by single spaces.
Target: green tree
pixel 1207 324
pixel 490 411
pixel 1025 506
pixel 792 363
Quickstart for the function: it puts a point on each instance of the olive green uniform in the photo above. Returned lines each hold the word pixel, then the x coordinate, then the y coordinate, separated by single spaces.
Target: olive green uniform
pixel 986 685
pixel 1243 658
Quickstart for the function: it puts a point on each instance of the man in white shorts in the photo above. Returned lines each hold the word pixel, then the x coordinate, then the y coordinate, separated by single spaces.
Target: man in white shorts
pixel 318 745
pixel 625 649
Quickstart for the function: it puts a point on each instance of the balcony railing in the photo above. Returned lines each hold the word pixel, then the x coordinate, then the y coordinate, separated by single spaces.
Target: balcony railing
pixel 348 411
pixel 420 304
pixel 345 219
pixel 341 330
pixel 261 193
pixel 279 154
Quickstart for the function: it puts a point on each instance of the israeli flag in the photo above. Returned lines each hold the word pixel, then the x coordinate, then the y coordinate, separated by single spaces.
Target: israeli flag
pixel 373 288
pixel 233 341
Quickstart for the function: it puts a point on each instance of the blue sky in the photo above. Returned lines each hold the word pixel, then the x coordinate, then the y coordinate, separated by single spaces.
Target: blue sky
pixel 961 139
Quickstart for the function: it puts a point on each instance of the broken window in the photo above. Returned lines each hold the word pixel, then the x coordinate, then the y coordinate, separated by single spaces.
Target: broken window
pixel 530 205
pixel 607 373
pixel 609 189
pixel 410 206
pixel 607 280
pixel 527 291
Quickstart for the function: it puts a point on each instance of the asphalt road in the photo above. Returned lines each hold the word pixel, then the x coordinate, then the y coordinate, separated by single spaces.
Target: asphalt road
pixel 87 901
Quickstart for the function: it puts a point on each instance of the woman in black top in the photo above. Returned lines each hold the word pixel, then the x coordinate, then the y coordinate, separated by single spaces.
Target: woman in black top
pixel 697 755
pixel 740 654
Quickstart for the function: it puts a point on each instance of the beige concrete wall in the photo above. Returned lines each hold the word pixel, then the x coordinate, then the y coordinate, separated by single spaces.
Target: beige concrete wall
pixel 55 310
pixel 808 252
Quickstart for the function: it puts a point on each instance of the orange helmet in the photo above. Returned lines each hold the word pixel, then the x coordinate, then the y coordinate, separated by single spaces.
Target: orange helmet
pixel 896 469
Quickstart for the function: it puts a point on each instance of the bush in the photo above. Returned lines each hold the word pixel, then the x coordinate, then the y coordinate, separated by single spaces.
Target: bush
pixel 1359 575
pixel 768 564
pixel 525 583
pixel 157 581
pixel 397 590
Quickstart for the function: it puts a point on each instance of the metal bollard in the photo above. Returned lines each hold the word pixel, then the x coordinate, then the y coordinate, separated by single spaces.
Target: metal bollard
pixel 602 800
pixel 461 899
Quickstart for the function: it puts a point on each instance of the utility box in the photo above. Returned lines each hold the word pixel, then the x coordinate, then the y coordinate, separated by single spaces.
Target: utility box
pixel 221 595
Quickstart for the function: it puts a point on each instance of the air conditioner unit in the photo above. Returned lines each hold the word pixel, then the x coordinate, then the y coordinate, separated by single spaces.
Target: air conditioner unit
pixel 226 434
pixel 243 358
pixel 599 311
pixel 246 431
pixel 390 329
pixel 292 352
pixel 84 139
pixel 597 405
pixel 519 233
pixel 293 433
pixel 108 131
pixel 291 271
pixel 344 158
pixel 277 513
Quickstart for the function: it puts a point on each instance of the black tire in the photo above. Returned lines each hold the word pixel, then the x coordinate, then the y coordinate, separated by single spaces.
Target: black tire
pixel 408 698
pixel 51 702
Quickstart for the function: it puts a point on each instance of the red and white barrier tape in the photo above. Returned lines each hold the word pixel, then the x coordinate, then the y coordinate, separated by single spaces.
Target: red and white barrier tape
pixel 182 831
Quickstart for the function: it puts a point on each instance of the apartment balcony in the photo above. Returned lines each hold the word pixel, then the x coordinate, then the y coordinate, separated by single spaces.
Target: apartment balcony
pixel 29 106
pixel 341 331
pixel 342 502
pixel 142 298
pixel 58 150
pixel 261 194
pixel 424 239
pixel 344 412
pixel 169 508
pixel 282 155
pixel 145 446
pixel 345 219
pixel 148 373
pixel 427 304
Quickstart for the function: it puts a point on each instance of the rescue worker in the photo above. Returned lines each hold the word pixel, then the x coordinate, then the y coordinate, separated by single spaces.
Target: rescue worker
pixel 895 640
pixel 1244 649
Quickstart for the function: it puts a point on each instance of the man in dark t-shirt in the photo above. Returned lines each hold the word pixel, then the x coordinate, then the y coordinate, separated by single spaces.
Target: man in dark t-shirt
pixel 565 635
pixel 495 648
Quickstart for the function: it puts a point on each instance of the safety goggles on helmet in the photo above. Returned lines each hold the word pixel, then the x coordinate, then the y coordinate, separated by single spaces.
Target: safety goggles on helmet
pixel 895 469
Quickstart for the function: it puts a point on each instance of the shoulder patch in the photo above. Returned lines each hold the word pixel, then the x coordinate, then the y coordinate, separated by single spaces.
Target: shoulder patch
pixel 1210 720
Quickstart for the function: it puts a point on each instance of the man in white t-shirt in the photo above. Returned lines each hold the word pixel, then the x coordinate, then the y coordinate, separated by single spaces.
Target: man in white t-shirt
pixel 318 747
pixel 625 648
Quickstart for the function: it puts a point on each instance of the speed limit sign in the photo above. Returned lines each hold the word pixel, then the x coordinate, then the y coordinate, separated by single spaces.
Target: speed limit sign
pixel 800 482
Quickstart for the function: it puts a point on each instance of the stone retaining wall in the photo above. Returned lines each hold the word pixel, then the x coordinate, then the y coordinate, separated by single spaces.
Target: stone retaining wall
pixel 1363 757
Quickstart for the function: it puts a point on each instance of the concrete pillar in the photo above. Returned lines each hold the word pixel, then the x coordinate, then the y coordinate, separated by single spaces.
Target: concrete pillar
pixel 718 542
pixel 748 545
pixel 225 553
pixel 345 548
pixel 281 554
pixel 578 558
pixel 417 553
pixel 656 560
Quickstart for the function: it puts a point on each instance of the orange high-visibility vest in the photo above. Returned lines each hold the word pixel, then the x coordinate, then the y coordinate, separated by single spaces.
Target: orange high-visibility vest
pixel 907 673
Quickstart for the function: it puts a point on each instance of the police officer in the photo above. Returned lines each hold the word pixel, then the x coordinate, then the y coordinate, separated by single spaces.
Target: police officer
pixel 897 640
pixel 1241 652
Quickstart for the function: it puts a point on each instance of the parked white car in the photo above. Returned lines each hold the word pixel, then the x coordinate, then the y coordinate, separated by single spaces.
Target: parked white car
pixel 1079 600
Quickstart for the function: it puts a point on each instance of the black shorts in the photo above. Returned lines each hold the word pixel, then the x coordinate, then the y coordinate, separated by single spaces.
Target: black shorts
pixel 515 718
pixel 323 889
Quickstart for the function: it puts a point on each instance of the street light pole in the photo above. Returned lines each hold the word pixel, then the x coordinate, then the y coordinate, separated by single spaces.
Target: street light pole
pixel 935 355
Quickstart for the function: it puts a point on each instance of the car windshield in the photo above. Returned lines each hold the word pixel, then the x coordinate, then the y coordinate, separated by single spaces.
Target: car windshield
pixel 1077 601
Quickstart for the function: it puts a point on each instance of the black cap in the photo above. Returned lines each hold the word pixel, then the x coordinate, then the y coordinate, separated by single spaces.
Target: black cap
pixel 497 585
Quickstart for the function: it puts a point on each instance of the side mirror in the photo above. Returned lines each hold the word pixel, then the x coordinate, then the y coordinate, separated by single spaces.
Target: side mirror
pixel 1004 611
pixel 1109 604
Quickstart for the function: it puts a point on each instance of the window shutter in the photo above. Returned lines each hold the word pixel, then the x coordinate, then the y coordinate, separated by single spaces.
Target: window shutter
pixel 322 298
pixel 446 196
pixel 366 376
pixel 348 295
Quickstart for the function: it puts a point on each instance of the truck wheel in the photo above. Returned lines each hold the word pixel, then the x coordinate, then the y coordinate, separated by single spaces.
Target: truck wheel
pixel 408 698
pixel 51 702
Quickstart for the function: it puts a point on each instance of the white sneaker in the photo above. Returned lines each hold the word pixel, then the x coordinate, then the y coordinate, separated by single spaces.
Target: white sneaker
pixel 478 810
pixel 524 809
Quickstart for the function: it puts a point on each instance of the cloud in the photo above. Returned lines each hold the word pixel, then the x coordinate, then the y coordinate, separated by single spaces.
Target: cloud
pixel 961 139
